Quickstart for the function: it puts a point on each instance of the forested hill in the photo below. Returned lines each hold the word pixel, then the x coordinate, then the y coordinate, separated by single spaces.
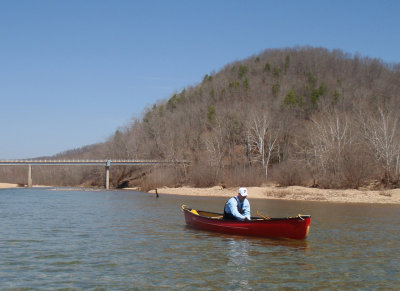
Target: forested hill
pixel 305 116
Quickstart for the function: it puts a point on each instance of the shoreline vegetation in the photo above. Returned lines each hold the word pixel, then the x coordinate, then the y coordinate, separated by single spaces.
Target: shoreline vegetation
pixel 281 193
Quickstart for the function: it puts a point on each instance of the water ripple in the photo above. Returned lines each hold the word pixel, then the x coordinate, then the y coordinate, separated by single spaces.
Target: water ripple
pixel 99 240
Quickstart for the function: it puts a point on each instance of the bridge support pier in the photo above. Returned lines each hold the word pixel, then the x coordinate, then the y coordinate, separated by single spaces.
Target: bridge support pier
pixel 108 164
pixel 30 176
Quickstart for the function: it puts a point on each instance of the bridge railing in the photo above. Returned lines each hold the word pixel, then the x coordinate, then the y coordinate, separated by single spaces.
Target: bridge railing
pixel 88 162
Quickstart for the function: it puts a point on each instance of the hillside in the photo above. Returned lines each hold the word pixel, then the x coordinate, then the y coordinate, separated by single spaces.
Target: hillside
pixel 295 116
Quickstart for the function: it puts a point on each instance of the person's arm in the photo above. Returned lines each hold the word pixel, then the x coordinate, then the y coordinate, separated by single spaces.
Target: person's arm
pixel 232 206
pixel 246 209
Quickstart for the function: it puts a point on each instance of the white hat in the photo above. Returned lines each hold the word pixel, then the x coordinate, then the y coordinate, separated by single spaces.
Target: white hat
pixel 242 191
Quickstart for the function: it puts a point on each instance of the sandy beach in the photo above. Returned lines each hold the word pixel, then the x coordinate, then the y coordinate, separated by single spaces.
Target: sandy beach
pixel 8 185
pixel 285 193
pixel 294 193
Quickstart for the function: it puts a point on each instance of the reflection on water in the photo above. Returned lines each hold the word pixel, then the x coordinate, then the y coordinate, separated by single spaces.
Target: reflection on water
pixel 296 245
pixel 238 261
pixel 127 240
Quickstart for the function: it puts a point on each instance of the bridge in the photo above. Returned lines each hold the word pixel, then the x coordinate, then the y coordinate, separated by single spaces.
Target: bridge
pixel 106 163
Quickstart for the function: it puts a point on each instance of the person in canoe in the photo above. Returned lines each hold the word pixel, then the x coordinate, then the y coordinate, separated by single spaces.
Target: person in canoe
pixel 238 207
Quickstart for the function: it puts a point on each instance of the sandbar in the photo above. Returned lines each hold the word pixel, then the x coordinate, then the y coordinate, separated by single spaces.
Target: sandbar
pixel 8 185
pixel 293 193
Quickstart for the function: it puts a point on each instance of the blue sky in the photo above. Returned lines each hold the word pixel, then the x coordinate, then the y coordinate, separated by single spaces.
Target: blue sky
pixel 72 72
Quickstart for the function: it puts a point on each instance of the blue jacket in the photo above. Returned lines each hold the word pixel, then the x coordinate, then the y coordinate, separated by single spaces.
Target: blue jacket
pixel 235 207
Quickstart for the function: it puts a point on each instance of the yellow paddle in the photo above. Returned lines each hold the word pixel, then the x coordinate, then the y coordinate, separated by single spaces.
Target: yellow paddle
pixel 265 217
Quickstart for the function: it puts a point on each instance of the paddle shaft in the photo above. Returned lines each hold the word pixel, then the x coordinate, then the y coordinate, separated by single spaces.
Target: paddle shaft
pixel 265 217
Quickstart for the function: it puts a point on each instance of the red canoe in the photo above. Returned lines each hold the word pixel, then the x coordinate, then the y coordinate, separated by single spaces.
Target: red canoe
pixel 291 227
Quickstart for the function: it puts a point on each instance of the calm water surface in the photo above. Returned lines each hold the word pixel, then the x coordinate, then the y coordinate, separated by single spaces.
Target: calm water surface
pixel 122 240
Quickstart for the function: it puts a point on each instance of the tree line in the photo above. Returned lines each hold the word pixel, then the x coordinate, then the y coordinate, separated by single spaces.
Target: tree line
pixel 296 116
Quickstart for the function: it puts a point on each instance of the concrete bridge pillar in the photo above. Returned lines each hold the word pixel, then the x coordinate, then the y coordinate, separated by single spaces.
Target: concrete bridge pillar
pixel 30 176
pixel 108 164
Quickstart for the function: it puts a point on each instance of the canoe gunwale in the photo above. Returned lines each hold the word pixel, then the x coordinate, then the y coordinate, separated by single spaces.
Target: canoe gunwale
pixel 219 216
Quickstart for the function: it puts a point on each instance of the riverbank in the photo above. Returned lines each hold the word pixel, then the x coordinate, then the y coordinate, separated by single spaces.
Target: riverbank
pixel 283 193
pixel 8 185
pixel 293 193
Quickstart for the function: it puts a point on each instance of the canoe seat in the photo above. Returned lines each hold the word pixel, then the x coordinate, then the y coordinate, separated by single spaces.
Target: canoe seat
pixel 194 211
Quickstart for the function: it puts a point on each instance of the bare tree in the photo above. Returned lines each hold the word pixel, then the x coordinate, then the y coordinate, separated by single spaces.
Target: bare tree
pixel 382 135
pixel 263 134
pixel 216 147
pixel 329 134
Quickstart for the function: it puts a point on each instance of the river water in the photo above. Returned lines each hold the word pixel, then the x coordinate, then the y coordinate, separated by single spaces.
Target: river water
pixel 125 240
